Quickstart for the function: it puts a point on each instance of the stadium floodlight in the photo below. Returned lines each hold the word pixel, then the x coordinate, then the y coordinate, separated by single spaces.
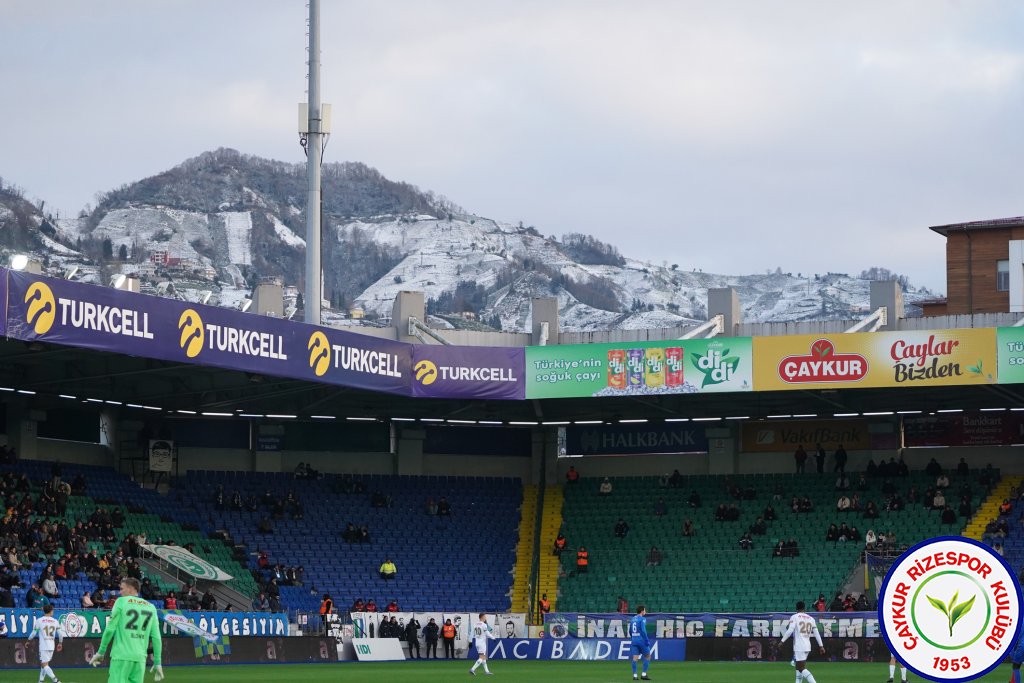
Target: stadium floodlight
pixel 523 423
pixel 674 419
pixel 1016 409
pixel 204 298
pixel 778 417
pixel 117 281
pixel 706 419
pixel 69 396
pixel 70 273
pixel 880 412
pixel 113 403
pixel 845 414
pixel 992 410
pixel 153 408
pixel 250 415
pixel 205 414
pixel 361 419
pixel 403 419
pixel 908 412
pixel 6 389
pixel 630 422
pixel 807 415
pixel 738 417
pixel 26 263
pixel 552 424
pixel 19 262
pixel 431 419
pixel 282 417
pixel 491 422
pixel 950 410
pixel 186 412
pixel 245 305
pixel 94 400
pixel 26 392
pixel 462 422
pixel 588 422
pixel 133 405
pixel 322 417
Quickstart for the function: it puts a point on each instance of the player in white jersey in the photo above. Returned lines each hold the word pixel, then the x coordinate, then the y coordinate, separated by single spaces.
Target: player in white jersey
pixel 480 634
pixel 802 626
pixel 892 669
pixel 48 630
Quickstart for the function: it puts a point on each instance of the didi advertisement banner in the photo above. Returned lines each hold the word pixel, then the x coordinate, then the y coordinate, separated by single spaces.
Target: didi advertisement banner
pixel 679 366
pixel 876 359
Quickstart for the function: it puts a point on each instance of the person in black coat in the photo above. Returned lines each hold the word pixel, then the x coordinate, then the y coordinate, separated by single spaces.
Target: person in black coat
pixel 431 632
pixel 412 636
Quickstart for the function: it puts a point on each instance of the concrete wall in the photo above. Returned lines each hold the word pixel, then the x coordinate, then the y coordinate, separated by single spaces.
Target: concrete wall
pixel 74 452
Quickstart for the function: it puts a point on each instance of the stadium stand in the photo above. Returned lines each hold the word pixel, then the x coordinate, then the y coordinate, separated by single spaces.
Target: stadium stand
pixel 461 561
pixel 708 571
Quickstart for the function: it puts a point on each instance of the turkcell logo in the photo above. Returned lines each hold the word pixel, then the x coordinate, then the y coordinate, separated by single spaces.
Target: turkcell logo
pixel 950 609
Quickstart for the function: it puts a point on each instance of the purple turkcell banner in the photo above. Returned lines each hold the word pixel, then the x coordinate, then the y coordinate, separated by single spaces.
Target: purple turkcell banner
pixel 484 372
pixel 87 316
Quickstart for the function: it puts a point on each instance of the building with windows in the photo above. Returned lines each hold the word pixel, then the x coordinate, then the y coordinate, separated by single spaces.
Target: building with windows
pixel 984 268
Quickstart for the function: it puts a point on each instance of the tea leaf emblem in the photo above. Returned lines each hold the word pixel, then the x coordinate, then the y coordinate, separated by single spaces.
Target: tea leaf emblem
pixel 954 612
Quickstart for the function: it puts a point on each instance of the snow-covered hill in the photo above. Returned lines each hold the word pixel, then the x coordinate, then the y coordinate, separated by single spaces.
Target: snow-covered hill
pixel 217 224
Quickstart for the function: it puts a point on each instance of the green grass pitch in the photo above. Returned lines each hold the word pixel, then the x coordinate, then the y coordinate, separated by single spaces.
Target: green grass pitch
pixel 517 671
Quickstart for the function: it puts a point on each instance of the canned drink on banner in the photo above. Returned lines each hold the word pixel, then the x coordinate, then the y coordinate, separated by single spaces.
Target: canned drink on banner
pixel 654 374
pixel 635 367
pixel 674 366
pixel 617 369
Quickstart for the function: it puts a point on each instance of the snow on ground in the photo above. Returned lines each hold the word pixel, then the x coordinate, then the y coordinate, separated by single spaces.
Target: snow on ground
pixel 57 247
pixel 156 228
pixel 5 214
pixel 238 226
pixel 286 234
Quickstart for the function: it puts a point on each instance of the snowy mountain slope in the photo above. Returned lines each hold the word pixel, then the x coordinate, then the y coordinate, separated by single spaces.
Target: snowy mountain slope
pixel 222 221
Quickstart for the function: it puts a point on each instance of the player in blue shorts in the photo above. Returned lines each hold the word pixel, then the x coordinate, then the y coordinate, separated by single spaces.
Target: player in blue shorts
pixel 1017 658
pixel 640 640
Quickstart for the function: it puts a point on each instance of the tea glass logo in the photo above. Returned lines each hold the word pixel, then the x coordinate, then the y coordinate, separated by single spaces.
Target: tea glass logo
pixel 950 609
pixel 426 372
pixel 319 353
pixel 193 334
pixel 42 307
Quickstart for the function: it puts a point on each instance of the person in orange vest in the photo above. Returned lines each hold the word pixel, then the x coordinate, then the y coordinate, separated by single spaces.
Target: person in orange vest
pixel 327 606
pixel 448 636
pixel 572 476
pixel 560 543
pixel 582 560
pixel 544 604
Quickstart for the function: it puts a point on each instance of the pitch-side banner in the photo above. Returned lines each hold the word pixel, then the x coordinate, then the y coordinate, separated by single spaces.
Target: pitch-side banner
pixel 668 626
pixel 635 439
pixel 483 372
pixel 187 562
pixel 876 359
pixel 578 649
pixel 964 429
pixel 17 623
pixel 780 436
pixel 685 366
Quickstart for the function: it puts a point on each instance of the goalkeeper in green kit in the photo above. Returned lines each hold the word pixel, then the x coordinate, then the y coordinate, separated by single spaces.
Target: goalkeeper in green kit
pixel 133 622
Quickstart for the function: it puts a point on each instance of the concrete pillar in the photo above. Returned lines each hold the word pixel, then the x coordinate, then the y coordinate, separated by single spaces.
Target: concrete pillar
pixel 408 305
pixel 725 302
pixel 888 293
pixel 268 299
pixel 723 451
pixel 22 431
pixel 409 450
pixel 544 456
pixel 545 310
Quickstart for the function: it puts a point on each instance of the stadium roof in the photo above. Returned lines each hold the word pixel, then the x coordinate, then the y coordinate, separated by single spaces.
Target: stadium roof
pixel 997 223
pixel 48 375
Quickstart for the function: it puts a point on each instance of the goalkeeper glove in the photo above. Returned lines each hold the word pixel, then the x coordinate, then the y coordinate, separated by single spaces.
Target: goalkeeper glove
pixel 157 671
pixel 97 659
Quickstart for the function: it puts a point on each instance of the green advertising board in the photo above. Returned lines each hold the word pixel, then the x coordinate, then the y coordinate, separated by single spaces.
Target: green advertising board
pixel 678 366
pixel 1010 355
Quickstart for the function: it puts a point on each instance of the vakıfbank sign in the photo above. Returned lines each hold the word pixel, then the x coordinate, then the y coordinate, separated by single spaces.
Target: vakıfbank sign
pixel 682 366
pixel 876 359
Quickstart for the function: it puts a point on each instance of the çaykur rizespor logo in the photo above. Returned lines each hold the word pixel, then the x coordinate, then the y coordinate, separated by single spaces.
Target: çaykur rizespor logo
pixel 44 310
pixel 195 336
pixel 950 609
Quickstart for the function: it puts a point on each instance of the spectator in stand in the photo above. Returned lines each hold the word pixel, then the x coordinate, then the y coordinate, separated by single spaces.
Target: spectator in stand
pixel 654 557
pixel 171 600
pixel 948 515
pixel 845 533
pixel 769 513
pixel 732 513
pixel 560 543
pixel 688 530
pixel 209 602
pixel 35 599
pixel 843 504
pixel 779 550
pixel 371 605
pixel 965 507
pixel 350 534
pixel 759 528
pixel 820 604
pixel 870 510
pixel 694 501
pixel 792 549
pixel 962 469
pixel 870 539
pixel 837 603
pixel 840 458
pixel 660 510
pixel 388 570
pixel 358 605
pixel 622 605
pixel 805 504
pixel 842 482
pixel 862 482
pixel 998 549
pixel 430 635
pixel 942 481
pixel 939 500
pixel 364 534
pixel 800 457
pixel 895 503
pixel 392 606
pixel 1006 507
pixel 582 560
pixel 819 457
pixel 431 507
pixel 444 508
pixel 49 587
pixel 572 476
pixel 862 604
pixel 261 603
pixel 236 500
pixel 933 468
pixel 676 480
pixel 621 528
pixel 746 542
pixel 86 601
pixel 849 604
pixel 832 534
pixel 871 468
pixel 605 489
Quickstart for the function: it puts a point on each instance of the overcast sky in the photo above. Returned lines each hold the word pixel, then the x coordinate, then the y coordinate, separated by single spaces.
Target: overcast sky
pixel 728 136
